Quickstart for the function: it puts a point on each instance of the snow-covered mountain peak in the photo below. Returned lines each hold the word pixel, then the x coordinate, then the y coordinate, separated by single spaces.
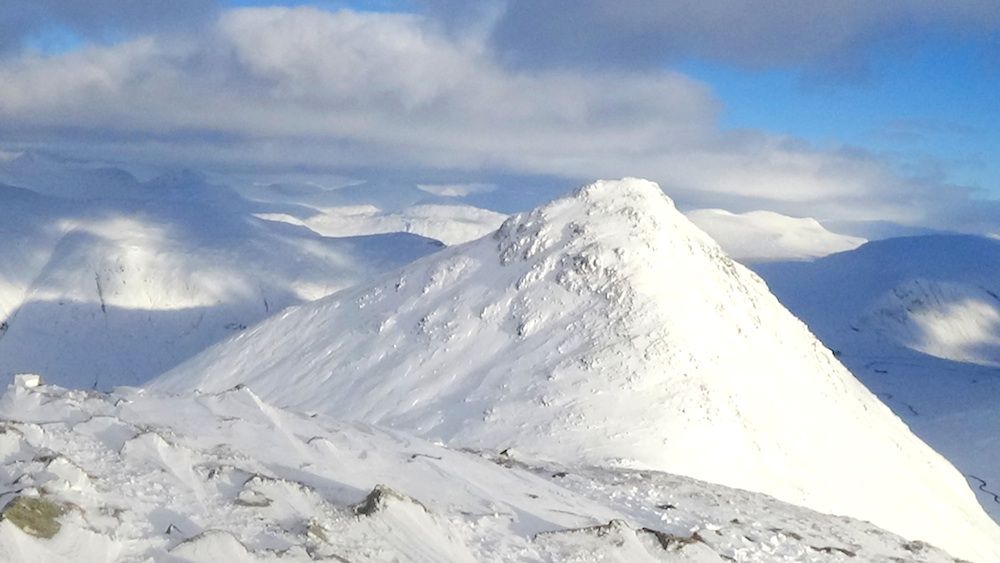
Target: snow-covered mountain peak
pixel 604 328
pixel 596 216
pixel 609 239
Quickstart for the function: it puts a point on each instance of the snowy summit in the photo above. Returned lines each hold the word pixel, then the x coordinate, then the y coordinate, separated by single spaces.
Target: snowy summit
pixel 604 328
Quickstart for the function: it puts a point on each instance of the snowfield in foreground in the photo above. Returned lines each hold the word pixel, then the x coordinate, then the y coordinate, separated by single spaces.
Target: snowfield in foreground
pixel 136 476
pixel 605 329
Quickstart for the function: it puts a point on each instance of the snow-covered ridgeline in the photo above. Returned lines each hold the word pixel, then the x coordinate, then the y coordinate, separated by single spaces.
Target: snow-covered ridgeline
pixel 136 476
pixel 604 328
pixel 766 236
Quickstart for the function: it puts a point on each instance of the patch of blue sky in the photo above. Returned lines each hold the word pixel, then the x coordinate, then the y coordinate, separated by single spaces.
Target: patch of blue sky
pixel 932 110
pixel 54 40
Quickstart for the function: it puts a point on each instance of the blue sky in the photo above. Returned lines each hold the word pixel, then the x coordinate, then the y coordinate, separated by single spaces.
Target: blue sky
pixel 839 109
pixel 934 107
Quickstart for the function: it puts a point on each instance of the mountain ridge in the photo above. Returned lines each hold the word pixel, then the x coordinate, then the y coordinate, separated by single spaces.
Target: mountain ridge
pixel 606 329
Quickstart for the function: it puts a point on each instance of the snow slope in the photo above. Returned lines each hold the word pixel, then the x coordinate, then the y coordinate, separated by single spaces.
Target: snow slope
pixel 135 476
pixel 52 175
pixel 604 328
pixel 115 290
pixel 450 224
pixel 321 193
pixel 916 319
pixel 25 232
pixel 765 236
pixel 937 294
pixel 955 321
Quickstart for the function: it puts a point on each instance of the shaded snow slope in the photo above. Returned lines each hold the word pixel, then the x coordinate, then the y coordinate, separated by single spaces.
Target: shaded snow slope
pixel 604 328
pixel 937 294
pixel 105 292
pixel 765 236
pixel 25 236
pixel 135 476
pixel 75 180
pixel 387 196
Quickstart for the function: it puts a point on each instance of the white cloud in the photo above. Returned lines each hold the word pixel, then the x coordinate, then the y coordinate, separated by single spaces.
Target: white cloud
pixel 308 88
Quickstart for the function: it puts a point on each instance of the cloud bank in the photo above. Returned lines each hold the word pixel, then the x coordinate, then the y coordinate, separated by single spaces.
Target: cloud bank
pixel 833 35
pixel 302 88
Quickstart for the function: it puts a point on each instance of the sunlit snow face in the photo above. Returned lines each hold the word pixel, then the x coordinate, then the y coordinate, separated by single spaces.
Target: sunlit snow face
pixel 944 319
pixel 966 330
pixel 142 266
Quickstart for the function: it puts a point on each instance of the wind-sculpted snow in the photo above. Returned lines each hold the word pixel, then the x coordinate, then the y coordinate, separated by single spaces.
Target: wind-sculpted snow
pixel 605 329
pixel 135 476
